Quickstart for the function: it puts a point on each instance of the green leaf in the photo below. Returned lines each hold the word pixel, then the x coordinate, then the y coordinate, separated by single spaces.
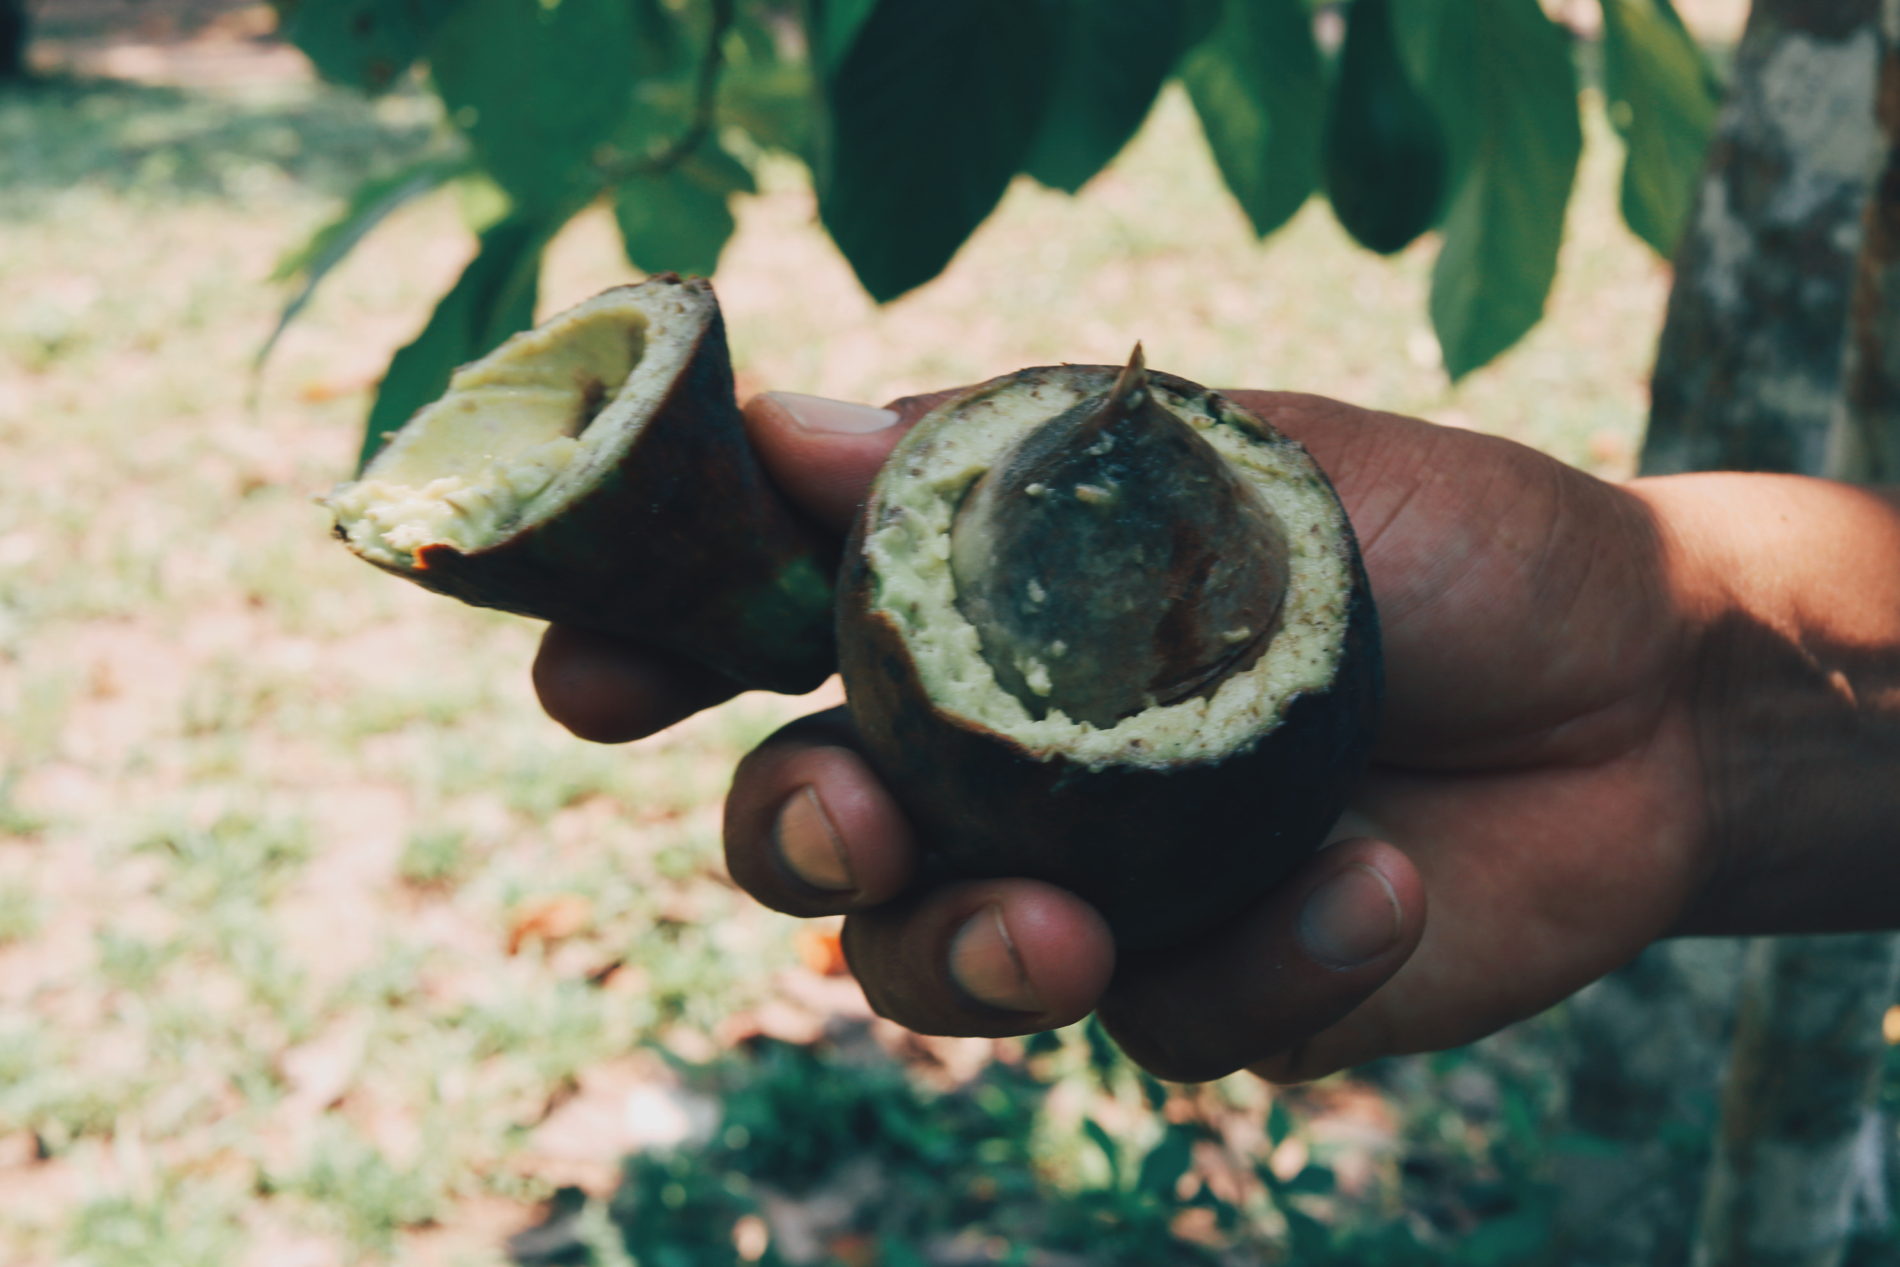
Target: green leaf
pixel 1386 163
pixel 1313 1179
pixel 1279 1123
pixel 927 118
pixel 493 298
pixel 772 104
pixel 679 220
pixel 1109 63
pixel 1500 77
pixel 1105 1058
pixel 832 27
pixel 1166 1162
pixel 1662 97
pixel 1260 90
pixel 373 202
pixel 536 88
pixel 893 1252
pixel 1311 1239
pixel 1106 1142
pixel 1523 1236
pixel 363 43
pixel 659 45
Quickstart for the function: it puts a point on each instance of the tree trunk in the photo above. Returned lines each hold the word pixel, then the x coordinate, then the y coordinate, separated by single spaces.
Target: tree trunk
pixel 1866 437
pixel 1802 1077
pixel 1798 1109
pixel 1748 376
pixel 1647 1046
pixel 1748 369
pixel 13 30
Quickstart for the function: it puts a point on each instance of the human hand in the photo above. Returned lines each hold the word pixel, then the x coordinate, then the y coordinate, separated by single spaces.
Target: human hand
pixel 1538 778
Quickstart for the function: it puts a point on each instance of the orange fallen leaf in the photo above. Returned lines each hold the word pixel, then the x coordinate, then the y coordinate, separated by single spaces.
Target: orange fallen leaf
pixel 820 950
pixel 322 391
pixel 853 1249
pixel 549 919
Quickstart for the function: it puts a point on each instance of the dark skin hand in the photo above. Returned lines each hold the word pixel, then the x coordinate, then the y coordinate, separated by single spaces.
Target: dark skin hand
pixel 1539 808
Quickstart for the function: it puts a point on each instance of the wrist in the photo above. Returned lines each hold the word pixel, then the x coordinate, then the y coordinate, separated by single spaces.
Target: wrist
pixel 1790 588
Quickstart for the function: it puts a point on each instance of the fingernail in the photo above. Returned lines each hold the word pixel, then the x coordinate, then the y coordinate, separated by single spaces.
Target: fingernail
pixel 1351 919
pixel 985 965
pixel 810 845
pixel 820 413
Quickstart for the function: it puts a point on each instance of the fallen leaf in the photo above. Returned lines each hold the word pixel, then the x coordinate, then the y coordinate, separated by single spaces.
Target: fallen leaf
pixel 321 391
pixel 319 1072
pixel 549 919
pixel 854 1249
pixel 821 949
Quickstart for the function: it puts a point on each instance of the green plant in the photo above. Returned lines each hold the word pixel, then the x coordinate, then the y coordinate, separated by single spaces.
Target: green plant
pixel 435 857
pixel 914 116
pixel 840 1139
pixel 20 913
pixel 183 1226
pixel 368 1196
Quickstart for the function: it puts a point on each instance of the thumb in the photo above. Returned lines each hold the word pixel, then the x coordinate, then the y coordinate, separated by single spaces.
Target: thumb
pixel 822 453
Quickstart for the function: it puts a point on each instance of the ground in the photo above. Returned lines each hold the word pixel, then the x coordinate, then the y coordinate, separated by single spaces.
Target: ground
pixel 320 945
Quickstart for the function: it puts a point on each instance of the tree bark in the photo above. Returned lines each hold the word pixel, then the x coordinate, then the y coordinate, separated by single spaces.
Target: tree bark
pixel 1748 369
pixel 1647 1047
pixel 1748 376
pixel 1802 1076
pixel 1866 436
pixel 1798 1110
pixel 13 32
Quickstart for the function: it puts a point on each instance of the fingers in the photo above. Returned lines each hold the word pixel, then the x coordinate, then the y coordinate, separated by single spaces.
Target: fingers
pixel 809 829
pixel 822 453
pixel 611 691
pixel 1311 954
pixel 991 958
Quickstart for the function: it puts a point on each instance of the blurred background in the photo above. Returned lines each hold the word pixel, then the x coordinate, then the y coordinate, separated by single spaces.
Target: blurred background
pixel 319 944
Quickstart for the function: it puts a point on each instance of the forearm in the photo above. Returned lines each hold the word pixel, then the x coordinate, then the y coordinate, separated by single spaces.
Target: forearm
pixel 1793 588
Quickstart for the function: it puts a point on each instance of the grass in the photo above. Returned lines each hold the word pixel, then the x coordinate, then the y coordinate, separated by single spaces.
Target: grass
pixel 274 830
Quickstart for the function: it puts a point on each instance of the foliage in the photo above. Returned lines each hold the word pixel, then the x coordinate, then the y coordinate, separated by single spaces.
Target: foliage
pixel 1500 79
pixel 1064 1153
pixel 914 116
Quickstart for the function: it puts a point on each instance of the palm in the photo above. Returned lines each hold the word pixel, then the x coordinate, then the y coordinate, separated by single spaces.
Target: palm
pixel 1533 810
pixel 1536 763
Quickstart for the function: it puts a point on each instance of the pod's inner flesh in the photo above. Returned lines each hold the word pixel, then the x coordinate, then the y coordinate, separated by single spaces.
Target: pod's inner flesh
pixel 1112 561
pixel 518 431
pixel 934 476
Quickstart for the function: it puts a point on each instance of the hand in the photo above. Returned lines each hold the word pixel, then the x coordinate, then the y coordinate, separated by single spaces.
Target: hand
pixel 1538 783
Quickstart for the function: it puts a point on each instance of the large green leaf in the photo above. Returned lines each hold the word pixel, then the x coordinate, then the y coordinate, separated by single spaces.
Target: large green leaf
pixel 659 41
pixel 832 27
pixel 1386 164
pixel 927 118
pixel 772 104
pixel 1662 99
pixel 363 43
pixel 537 88
pixel 1109 63
pixel 1260 90
pixel 679 220
pixel 1166 1162
pixel 493 298
pixel 373 202
pixel 1500 77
